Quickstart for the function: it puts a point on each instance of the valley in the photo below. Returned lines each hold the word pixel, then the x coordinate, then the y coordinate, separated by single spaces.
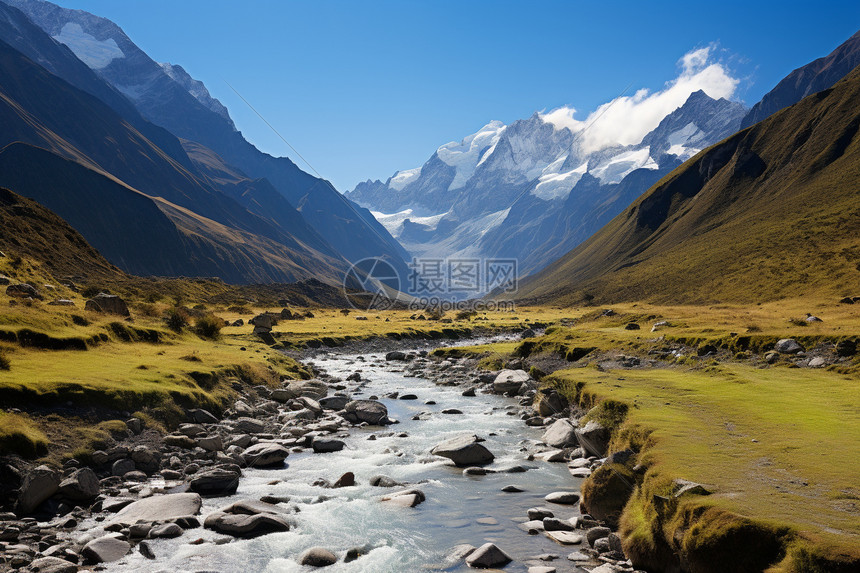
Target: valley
pixel 616 337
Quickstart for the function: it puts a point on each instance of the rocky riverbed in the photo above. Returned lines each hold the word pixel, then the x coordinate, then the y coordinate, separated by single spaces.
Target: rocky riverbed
pixel 385 462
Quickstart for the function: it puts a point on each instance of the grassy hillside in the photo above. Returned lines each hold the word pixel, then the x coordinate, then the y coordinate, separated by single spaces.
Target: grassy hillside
pixel 771 212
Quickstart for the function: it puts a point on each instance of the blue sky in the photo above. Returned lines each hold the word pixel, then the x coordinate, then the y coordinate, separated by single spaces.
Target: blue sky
pixel 363 89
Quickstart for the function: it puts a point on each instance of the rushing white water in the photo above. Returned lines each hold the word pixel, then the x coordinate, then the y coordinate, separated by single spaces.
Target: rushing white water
pixel 395 539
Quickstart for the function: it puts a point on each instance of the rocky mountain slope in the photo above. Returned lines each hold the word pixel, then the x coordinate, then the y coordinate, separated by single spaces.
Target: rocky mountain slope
pixel 771 212
pixel 167 96
pixel 813 77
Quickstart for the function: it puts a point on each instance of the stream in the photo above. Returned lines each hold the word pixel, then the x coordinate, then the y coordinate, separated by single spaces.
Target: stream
pixel 459 508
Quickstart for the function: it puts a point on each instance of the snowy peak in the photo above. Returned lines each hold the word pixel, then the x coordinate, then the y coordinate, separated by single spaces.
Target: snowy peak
pixel 107 50
pixel 473 150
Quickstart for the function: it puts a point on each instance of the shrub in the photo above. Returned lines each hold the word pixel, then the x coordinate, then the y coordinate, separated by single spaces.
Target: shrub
pixel 92 291
pixel 176 319
pixel 4 361
pixel 147 309
pixel 797 321
pixel 209 326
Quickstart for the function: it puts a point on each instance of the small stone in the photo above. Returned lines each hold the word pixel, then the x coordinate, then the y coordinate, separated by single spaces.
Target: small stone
pixel 563 497
pixel 487 556
pixel 318 557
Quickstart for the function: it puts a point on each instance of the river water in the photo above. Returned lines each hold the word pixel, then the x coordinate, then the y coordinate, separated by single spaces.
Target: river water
pixel 458 508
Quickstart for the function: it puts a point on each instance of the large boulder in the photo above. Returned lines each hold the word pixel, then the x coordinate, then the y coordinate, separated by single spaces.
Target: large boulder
pixel 487 556
pixel 23 290
pixel 265 454
pixel 334 402
pixel 159 509
pixel 107 304
pixel 248 518
pixel 249 426
pixel 81 485
pixel 510 381
pixel 322 446
pixel 264 321
pixel 561 434
pixel 464 451
pixel 105 549
pixel 369 411
pixel 788 346
pixel 593 438
pixel 551 403
pixel 215 482
pixel 39 484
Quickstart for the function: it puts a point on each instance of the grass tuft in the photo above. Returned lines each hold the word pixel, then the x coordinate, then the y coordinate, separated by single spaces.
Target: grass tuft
pixel 21 436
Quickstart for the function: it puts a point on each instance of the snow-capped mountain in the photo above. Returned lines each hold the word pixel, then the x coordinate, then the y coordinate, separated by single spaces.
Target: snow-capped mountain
pixel 534 189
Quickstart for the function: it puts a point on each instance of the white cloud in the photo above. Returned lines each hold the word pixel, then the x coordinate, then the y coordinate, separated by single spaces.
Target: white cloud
pixel 627 119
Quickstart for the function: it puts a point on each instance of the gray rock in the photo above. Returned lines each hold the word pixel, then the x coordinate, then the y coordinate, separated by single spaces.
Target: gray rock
pixel 107 304
pixel 788 346
pixel 250 426
pixel 211 443
pixel 464 451
pixel 334 402
pixel 405 498
pixel 561 434
pixel 594 438
pixel 159 509
pixel 487 556
pixel 215 482
pixel 39 484
pixel 384 481
pixel 551 403
pixel 265 454
pixel 817 362
pixel 563 497
pixel 317 557
pixel 369 411
pixel 52 565
pixel 201 416
pixel 595 533
pixel 510 381
pixel 555 524
pixel 105 550
pixel 539 513
pixel 243 525
pixel 122 467
pixel 325 446
pixel 166 531
pixel 81 485
pixel 23 290
pixel 396 355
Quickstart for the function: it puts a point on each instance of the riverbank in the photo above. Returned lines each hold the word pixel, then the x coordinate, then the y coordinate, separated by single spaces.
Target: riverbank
pixel 740 437
pixel 334 451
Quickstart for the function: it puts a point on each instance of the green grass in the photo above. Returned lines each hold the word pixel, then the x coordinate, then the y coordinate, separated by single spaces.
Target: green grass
pixel 20 435
pixel 774 445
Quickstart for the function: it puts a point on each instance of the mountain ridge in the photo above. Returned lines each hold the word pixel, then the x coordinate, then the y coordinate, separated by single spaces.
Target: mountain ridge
pixel 744 220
